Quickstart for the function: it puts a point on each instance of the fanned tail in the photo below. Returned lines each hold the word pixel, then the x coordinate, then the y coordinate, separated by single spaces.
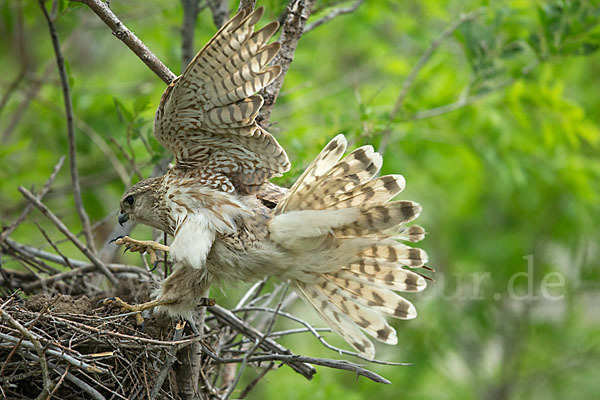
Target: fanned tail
pixel 342 230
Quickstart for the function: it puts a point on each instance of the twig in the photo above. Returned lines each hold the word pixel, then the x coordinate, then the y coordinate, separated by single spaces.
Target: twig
pixel 170 359
pixel 291 31
pixel 334 14
pixel 82 265
pixel 71 360
pixel 315 333
pixel 247 6
pixel 6 232
pixel 258 343
pixel 234 322
pixel 31 94
pixel 11 89
pixel 61 227
pixel 287 358
pixel 94 394
pixel 60 381
pixel 468 100
pixel 412 76
pixel 60 62
pixel 35 344
pixel 103 11
pixel 252 384
pixel 56 249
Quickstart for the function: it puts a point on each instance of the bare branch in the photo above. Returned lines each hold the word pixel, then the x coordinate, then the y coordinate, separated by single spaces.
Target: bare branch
pixel 334 14
pixel 60 62
pixel 10 229
pixel 257 344
pixel 230 319
pixel 247 6
pixel 168 362
pixel 291 32
pixel 130 39
pixel 61 227
pixel 412 76
pixel 465 101
pixel 36 345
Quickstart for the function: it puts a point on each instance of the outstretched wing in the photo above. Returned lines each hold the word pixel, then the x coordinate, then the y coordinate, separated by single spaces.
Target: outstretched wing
pixel 206 117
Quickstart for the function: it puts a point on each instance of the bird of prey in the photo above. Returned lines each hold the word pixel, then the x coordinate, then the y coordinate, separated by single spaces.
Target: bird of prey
pixel 335 236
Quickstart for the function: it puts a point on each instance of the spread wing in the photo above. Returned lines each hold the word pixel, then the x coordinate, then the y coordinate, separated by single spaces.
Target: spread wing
pixel 206 117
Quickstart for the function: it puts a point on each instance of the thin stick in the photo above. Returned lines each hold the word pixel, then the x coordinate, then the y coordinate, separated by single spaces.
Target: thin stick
pixel 60 354
pixel 334 14
pixel 258 343
pixel 234 322
pixel 103 11
pixel 252 384
pixel 170 359
pixel 315 333
pixel 61 227
pixel 35 344
pixel 94 394
pixel 29 206
pixel 66 90
pixel 60 381
pixel 412 76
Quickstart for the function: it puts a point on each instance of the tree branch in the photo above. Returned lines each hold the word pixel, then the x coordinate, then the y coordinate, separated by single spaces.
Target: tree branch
pixel 233 321
pixel 412 76
pixel 61 227
pixel 130 39
pixel 10 229
pixel 291 32
pixel 66 90
pixel 334 14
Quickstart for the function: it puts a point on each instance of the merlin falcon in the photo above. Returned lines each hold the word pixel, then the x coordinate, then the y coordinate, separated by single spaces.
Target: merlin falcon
pixel 335 236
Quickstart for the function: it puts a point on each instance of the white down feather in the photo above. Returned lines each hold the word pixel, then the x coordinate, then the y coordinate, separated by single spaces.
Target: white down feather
pixel 299 225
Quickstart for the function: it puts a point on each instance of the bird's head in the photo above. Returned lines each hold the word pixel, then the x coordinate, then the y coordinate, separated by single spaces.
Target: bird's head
pixel 142 203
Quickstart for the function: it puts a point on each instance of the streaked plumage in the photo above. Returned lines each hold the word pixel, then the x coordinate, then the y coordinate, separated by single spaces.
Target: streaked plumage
pixel 334 235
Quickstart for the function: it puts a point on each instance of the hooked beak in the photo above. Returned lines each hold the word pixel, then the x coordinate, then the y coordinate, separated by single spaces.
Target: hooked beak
pixel 123 218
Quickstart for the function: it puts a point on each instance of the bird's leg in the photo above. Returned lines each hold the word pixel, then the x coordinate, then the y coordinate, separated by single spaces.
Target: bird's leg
pixel 205 302
pixel 142 246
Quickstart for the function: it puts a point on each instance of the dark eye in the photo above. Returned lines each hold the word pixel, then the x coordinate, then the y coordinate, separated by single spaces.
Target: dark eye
pixel 129 200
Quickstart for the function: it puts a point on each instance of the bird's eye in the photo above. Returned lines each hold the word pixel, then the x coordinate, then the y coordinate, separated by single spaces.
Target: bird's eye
pixel 129 200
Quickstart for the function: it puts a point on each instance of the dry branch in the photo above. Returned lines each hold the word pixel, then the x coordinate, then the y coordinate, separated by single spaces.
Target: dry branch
pixel 334 14
pixel 414 73
pixel 119 29
pixel 61 227
pixel 10 229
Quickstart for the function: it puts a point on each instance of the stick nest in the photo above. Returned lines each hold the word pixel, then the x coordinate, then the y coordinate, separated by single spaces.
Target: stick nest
pixel 89 350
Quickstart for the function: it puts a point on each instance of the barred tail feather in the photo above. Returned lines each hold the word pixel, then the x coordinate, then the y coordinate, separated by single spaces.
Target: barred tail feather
pixel 342 230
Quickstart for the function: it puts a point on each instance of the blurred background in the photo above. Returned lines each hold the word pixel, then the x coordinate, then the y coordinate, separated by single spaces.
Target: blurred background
pixel 490 109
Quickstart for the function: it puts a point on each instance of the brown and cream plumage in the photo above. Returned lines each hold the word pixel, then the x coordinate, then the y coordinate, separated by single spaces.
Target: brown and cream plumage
pixel 336 235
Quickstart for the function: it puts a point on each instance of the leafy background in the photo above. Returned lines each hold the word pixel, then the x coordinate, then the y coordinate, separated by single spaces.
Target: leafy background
pixel 509 181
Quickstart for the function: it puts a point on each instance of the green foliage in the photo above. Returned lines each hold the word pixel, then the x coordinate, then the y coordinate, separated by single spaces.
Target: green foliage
pixel 511 173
